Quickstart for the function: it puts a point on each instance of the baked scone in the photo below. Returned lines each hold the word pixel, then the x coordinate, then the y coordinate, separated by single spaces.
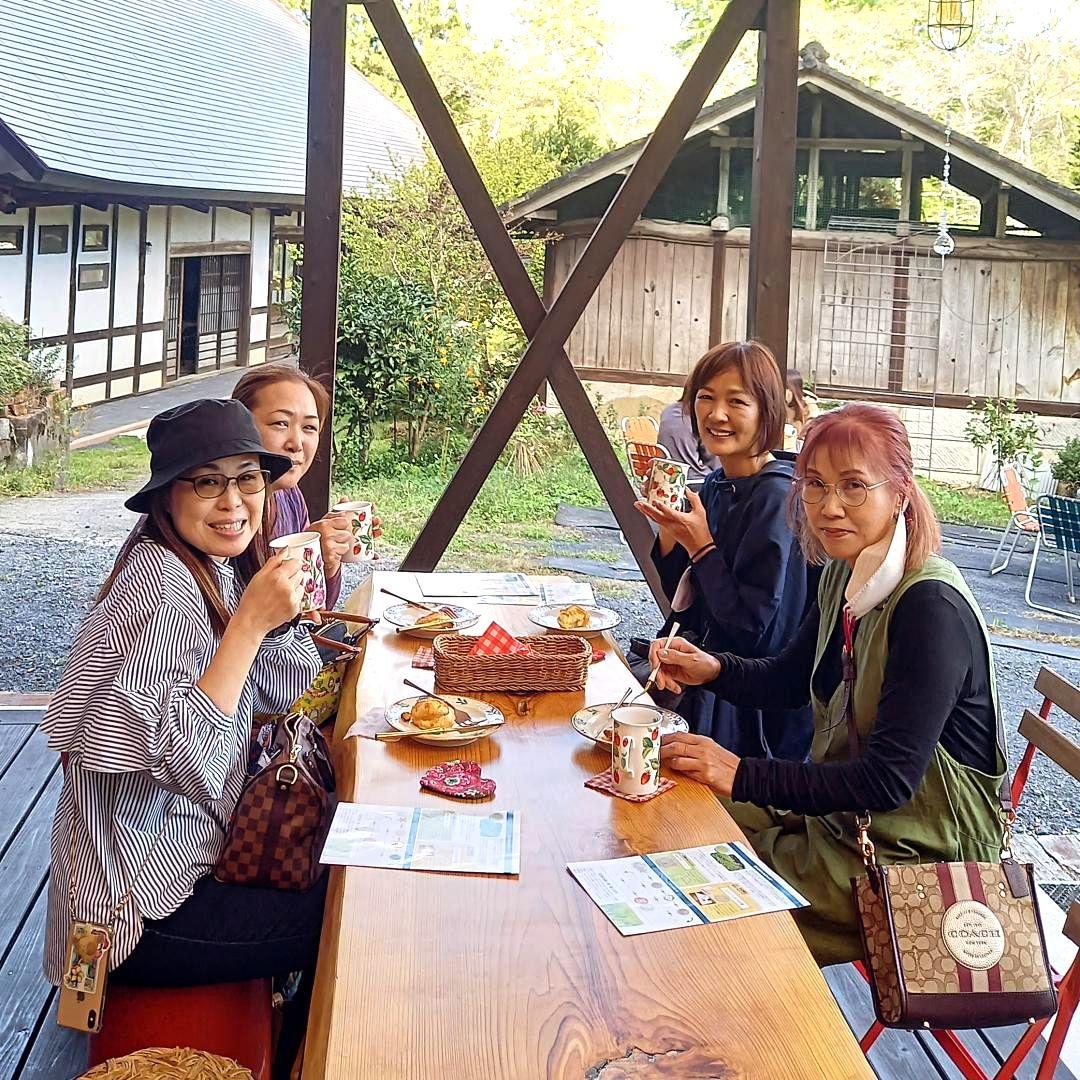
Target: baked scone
pixel 435 620
pixel 574 617
pixel 431 714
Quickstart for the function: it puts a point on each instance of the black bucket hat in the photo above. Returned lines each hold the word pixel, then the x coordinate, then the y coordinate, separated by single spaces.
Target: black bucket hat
pixel 198 432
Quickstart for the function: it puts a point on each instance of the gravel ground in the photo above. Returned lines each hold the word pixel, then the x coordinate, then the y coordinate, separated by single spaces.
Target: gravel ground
pixel 51 567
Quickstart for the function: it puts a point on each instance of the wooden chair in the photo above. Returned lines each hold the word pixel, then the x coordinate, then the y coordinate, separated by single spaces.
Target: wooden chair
pixel 641 429
pixel 1023 520
pixel 1059 530
pixel 1040 735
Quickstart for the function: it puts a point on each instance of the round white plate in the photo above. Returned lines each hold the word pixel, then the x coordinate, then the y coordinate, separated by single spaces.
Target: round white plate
pixel 600 618
pixel 407 614
pixel 480 709
pixel 594 722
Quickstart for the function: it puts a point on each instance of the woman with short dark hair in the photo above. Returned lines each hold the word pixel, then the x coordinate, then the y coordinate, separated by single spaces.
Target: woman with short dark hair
pixel 730 563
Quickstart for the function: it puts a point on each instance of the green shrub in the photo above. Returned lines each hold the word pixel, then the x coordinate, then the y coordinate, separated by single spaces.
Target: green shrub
pixel 26 374
pixel 1011 436
pixel 1066 470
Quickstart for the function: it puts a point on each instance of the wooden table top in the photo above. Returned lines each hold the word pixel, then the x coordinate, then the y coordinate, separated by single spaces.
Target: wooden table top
pixel 515 978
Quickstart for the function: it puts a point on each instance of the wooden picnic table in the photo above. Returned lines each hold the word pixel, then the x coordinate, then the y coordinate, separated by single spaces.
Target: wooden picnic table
pixel 514 978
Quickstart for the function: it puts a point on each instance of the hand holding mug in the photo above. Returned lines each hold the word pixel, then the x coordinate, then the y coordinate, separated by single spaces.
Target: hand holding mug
pixel 689 528
pixel 273 595
pixel 681 664
pixel 336 537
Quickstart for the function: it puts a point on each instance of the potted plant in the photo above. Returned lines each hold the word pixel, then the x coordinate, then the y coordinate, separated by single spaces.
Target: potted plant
pixel 1066 470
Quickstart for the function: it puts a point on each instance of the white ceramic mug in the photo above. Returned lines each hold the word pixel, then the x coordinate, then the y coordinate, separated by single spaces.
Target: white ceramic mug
pixel 635 749
pixel 667 483
pixel 307 547
pixel 361 524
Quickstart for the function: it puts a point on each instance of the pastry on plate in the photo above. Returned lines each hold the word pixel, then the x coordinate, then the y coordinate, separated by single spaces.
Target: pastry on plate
pixel 431 714
pixel 435 620
pixel 574 617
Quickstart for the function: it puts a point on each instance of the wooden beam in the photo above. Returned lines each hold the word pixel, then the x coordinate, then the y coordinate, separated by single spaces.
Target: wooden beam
pixel 31 246
pixel 73 282
pixel 1001 216
pixel 773 182
pixel 744 142
pixel 319 300
pixel 716 290
pixel 723 185
pixel 813 168
pixel 907 174
pixel 548 334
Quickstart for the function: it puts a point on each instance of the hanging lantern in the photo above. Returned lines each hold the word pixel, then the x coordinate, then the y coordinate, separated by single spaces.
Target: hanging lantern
pixel 949 22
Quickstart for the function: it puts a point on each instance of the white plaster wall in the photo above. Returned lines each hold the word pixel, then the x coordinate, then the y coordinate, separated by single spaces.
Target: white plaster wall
pixel 232 225
pixel 189 226
pixel 127 268
pixel 258 326
pixel 260 269
pixel 92 305
pixel 123 352
pixel 13 269
pixel 49 299
pixel 153 352
pixel 156 260
pixel 90 359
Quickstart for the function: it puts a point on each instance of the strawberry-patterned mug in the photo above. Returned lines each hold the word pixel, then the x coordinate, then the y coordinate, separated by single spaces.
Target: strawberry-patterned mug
pixel 635 749
pixel 666 485
pixel 361 522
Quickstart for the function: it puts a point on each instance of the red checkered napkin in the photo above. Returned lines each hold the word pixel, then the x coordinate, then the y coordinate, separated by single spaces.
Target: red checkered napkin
pixel 424 658
pixel 495 641
pixel 603 782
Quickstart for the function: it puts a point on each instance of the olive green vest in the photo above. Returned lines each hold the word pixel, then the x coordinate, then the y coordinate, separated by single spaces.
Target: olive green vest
pixel 954 814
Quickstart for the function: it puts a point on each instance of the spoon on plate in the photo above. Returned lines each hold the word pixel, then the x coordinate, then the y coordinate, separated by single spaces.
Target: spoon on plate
pixel 461 718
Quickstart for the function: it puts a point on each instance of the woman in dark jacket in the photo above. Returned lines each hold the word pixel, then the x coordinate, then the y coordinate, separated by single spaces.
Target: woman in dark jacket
pixel 730 564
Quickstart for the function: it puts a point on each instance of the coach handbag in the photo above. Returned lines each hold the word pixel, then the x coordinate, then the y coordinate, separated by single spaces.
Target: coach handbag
pixel 277 830
pixel 950 945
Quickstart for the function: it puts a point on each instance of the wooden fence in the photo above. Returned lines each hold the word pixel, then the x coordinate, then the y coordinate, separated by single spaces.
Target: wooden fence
pixel 1000 319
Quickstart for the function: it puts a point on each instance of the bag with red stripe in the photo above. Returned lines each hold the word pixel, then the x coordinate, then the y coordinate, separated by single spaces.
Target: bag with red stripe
pixel 951 945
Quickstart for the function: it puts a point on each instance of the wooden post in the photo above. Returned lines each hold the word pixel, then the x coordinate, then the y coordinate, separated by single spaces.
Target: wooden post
pixel 1001 219
pixel 773 183
pixel 813 165
pixel 322 229
pixel 716 294
pixel 723 185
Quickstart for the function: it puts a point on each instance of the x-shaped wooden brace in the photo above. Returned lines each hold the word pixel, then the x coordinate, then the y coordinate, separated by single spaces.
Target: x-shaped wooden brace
pixel 548 330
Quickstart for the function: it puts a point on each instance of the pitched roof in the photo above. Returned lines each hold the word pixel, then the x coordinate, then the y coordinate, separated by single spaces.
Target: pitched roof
pixel 206 97
pixel 817 73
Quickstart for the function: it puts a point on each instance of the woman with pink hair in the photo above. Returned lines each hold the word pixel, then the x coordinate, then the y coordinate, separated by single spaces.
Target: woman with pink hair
pixel 918 745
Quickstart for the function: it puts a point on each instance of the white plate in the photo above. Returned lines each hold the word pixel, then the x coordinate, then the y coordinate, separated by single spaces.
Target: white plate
pixel 594 722
pixel 481 709
pixel 600 618
pixel 407 614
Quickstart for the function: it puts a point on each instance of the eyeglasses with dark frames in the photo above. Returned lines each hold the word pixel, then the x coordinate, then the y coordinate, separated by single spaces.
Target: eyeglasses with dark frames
pixel 214 485
pixel 850 492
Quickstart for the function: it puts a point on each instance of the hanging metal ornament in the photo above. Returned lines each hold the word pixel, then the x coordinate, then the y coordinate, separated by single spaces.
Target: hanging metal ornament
pixel 949 23
pixel 944 244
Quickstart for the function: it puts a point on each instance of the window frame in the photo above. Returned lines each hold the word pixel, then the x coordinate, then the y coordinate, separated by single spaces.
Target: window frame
pixel 101 227
pixel 49 229
pixel 104 283
pixel 18 232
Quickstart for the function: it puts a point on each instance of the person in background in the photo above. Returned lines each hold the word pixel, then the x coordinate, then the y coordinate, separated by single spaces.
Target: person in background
pixel 801 404
pixel 290 408
pixel 730 564
pixel 191 634
pixel 678 438
pixel 924 758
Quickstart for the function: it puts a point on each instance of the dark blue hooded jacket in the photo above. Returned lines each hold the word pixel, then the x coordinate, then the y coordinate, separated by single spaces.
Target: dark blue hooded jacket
pixel 751 594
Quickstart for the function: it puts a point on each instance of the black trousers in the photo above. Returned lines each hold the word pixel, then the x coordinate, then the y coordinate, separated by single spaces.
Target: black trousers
pixel 232 933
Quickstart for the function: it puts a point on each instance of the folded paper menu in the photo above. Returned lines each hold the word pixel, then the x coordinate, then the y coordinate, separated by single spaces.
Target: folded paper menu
pixel 414 838
pixel 707 884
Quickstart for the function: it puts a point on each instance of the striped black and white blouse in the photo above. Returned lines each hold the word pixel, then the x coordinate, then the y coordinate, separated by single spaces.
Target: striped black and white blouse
pixel 150 753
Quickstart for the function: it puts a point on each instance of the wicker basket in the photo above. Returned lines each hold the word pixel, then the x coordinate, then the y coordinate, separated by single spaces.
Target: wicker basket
pixel 160 1063
pixel 555 662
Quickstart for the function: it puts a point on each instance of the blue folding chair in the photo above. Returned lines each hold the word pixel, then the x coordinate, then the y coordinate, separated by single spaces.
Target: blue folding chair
pixel 1059 529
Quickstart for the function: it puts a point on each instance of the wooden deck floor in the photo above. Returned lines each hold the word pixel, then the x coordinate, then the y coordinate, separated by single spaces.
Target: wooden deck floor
pixel 33 1047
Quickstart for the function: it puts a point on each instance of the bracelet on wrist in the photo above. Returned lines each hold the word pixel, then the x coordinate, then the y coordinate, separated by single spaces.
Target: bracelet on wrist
pixel 703 550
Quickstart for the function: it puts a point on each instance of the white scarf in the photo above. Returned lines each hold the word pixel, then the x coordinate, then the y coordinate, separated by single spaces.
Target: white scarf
pixel 877 570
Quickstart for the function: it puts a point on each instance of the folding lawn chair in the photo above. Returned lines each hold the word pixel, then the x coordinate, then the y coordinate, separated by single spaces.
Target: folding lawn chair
pixel 1059 530
pixel 1023 520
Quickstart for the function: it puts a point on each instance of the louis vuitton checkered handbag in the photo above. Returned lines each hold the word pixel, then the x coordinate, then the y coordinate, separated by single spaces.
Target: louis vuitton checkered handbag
pixel 281 820
pixel 950 945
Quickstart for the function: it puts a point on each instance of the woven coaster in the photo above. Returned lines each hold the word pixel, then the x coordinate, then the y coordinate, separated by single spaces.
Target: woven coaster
pixel 603 782
pixel 424 658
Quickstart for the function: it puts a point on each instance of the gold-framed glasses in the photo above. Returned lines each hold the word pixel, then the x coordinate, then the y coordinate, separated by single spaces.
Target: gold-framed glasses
pixel 214 485
pixel 851 492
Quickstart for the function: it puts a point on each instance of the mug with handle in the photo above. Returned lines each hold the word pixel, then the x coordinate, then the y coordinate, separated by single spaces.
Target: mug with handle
pixel 635 749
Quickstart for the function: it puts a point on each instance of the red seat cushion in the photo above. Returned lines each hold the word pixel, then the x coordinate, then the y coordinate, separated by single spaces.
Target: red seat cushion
pixel 230 1019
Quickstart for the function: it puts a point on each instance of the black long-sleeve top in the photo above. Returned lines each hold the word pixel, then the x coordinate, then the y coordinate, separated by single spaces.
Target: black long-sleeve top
pixel 936 688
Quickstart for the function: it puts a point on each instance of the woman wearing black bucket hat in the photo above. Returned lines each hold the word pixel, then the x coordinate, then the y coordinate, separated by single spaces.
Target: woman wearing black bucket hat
pixel 189 636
